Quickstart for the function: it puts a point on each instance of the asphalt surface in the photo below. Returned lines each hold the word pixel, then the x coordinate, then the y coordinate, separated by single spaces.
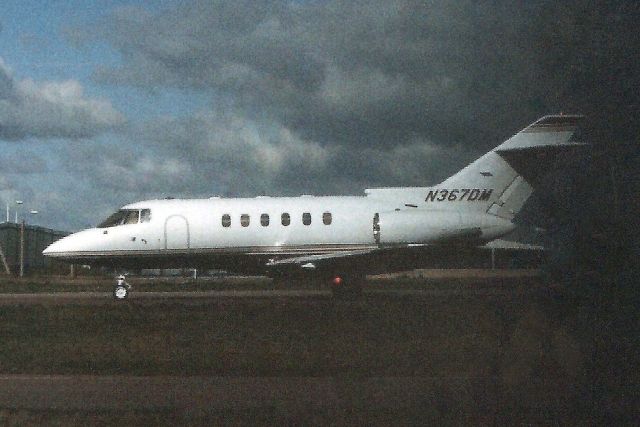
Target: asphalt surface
pixel 100 298
pixel 210 394
pixel 207 394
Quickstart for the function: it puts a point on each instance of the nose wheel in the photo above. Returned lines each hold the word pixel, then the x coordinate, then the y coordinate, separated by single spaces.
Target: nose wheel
pixel 121 289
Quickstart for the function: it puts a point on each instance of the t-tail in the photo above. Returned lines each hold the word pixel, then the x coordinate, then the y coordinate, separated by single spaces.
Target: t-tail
pixel 501 181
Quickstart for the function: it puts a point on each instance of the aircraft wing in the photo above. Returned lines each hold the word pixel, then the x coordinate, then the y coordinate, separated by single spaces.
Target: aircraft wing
pixel 508 244
pixel 310 261
pixel 401 257
pixel 400 251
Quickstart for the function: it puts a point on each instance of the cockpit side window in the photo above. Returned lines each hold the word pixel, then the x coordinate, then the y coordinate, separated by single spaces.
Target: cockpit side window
pixel 126 216
pixel 114 219
pixel 131 217
pixel 145 215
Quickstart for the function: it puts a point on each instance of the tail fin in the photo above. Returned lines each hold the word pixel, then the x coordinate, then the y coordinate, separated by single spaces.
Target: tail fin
pixel 501 181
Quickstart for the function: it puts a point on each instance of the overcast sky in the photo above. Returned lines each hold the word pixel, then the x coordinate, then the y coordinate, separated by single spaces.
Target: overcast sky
pixel 107 102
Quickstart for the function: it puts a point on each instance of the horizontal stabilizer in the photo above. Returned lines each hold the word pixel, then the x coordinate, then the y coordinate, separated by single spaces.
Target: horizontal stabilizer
pixel 532 151
pixel 548 131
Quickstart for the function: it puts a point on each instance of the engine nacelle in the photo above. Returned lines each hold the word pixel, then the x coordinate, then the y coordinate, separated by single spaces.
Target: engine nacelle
pixel 428 226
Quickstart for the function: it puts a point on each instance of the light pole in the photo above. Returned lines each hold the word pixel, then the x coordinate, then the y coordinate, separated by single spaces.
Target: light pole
pixel 18 202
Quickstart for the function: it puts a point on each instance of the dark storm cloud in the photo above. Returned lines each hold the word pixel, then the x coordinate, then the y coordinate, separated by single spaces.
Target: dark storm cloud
pixel 51 110
pixel 333 97
pixel 23 163
pixel 382 72
pixel 228 154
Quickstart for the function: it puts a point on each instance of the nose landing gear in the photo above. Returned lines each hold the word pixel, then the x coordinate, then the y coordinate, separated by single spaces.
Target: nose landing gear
pixel 121 288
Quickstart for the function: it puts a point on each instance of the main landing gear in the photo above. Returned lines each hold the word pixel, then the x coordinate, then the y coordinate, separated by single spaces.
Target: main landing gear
pixel 121 288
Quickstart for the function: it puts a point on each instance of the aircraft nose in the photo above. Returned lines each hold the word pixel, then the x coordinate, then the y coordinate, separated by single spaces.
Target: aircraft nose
pixel 48 250
pixel 67 245
pixel 58 247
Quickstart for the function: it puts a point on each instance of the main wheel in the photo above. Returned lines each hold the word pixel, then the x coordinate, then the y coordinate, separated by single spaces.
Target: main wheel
pixel 120 292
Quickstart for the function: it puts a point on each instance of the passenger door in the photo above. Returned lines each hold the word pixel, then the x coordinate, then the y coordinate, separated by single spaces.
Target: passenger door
pixel 176 233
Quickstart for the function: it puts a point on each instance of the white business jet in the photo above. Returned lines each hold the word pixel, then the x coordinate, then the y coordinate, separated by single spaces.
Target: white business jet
pixel 337 238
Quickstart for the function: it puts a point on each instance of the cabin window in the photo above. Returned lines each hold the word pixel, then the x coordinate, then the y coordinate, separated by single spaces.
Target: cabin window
pixel 326 218
pixel 226 220
pixel 244 220
pixel 286 219
pixel 264 220
pixel 306 218
pixel 145 215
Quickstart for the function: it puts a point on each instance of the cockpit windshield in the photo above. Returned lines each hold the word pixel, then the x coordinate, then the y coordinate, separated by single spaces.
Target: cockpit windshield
pixel 126 216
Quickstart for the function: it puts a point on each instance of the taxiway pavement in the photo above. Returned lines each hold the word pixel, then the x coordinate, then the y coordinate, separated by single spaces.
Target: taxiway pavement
pixel 99 298
pixel 208 394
